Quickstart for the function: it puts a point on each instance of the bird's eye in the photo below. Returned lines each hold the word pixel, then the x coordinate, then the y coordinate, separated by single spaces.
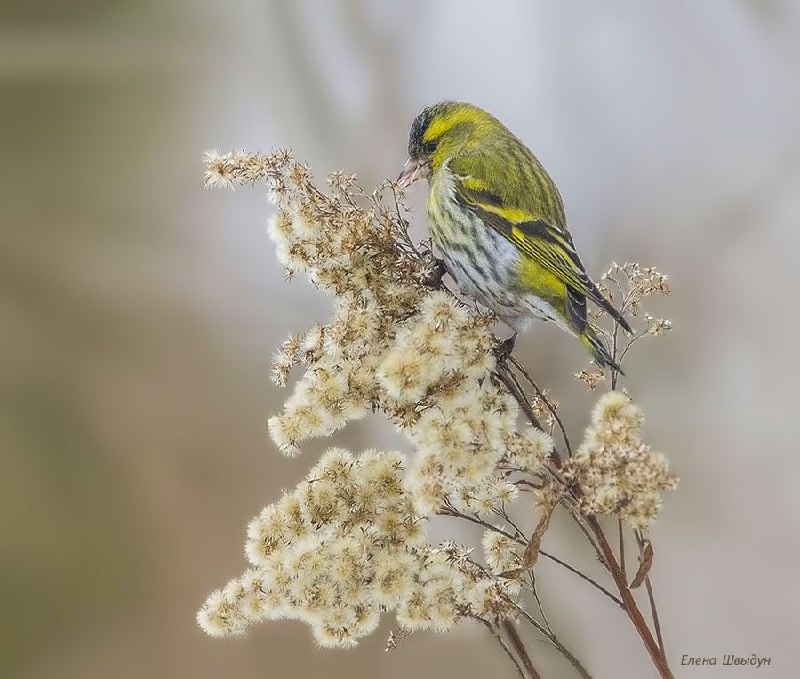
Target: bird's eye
pixel 429 146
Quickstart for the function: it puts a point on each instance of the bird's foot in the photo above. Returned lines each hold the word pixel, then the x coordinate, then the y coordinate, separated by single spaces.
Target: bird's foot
pixel 435 276
pixel 503 349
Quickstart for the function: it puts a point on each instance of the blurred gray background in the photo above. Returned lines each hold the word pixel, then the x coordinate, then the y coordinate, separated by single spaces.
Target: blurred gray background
pixel 138 313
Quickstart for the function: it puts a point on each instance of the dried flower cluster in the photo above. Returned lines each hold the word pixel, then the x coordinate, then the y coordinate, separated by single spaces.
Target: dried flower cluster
pixel 591 376
pixel 395 344
pixel 635 283
pixel 349 542
pixel 627 286
pixel 616 471
pixel 343 546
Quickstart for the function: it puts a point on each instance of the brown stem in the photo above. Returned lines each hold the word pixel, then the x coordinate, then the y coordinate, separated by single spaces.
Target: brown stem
pixel 583 576
pixel 546 401
pixel 630 343
pixel 621 548
pixel 654 612
pixel 578 518
pixel 543 629
pixel 554 640
pixel 520 536
pixel 519 647
pixel 614 373
pixel 450 511
pixel 634 614
pixel 504 646
pixel 514 388
pixel 537 598
pixel 596 536
pixel 651 597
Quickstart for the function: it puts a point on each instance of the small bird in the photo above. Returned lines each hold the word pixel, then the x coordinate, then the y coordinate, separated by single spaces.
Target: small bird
pixel 498 220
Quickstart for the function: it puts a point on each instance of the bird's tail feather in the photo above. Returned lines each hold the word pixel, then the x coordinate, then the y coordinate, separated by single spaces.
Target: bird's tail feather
pixel 595 345
pixel 597 298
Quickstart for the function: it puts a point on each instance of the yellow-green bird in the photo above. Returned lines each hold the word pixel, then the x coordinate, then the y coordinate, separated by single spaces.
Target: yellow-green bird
pixel 498 220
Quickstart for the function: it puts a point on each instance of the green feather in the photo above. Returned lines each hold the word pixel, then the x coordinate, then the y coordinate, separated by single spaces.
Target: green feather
pixel 497 178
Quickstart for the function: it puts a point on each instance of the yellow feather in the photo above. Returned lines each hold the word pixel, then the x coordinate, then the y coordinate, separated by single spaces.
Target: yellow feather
pixel 499 220
pixel 543 282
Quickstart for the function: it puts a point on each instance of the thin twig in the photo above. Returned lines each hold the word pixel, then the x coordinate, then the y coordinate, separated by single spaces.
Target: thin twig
pixel 510 522
pixel 553 640
pixel 450 511
pixel 614 371
pixel 403 223
pixel 654 611
pixel 539 601
pixel 513 387
pixel 519 647
pixel 621 548
pixel 583 576
pixel 631 341
pixel 546 401
pixel 577 517
pixel 651 597
pixel 527 483
pixel 512 383
pixel 504 646
pixel 615 335
pixel 631 608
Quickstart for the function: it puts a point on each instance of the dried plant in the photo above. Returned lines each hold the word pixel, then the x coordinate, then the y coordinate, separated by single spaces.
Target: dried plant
pixel 350 541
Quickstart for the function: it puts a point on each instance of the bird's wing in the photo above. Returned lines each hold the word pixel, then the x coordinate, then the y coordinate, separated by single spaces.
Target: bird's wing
pixel 491 194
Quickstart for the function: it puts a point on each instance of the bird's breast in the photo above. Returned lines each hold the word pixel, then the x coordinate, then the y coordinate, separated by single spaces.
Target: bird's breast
pixel 483 263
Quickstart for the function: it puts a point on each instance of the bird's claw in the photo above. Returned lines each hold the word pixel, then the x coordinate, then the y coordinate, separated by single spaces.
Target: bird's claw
pixel 503 349
pixel 434 279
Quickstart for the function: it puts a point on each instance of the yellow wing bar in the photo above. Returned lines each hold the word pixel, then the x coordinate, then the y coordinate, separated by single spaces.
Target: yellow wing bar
pixel 547 245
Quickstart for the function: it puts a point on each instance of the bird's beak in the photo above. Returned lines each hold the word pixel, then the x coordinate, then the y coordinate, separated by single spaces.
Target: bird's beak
pixel 412 171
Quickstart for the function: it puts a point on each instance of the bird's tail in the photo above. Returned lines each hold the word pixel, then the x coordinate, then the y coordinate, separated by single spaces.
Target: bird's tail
pixel 595 345
pixel 598 298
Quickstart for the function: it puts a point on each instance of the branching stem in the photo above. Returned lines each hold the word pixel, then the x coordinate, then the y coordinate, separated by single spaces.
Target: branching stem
pixel 651 597
pixel 451 511
pixel 591 527
pixel 548 404
pixel 519 647
pixel 493 631
pixel 630 606
pixel 554 640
